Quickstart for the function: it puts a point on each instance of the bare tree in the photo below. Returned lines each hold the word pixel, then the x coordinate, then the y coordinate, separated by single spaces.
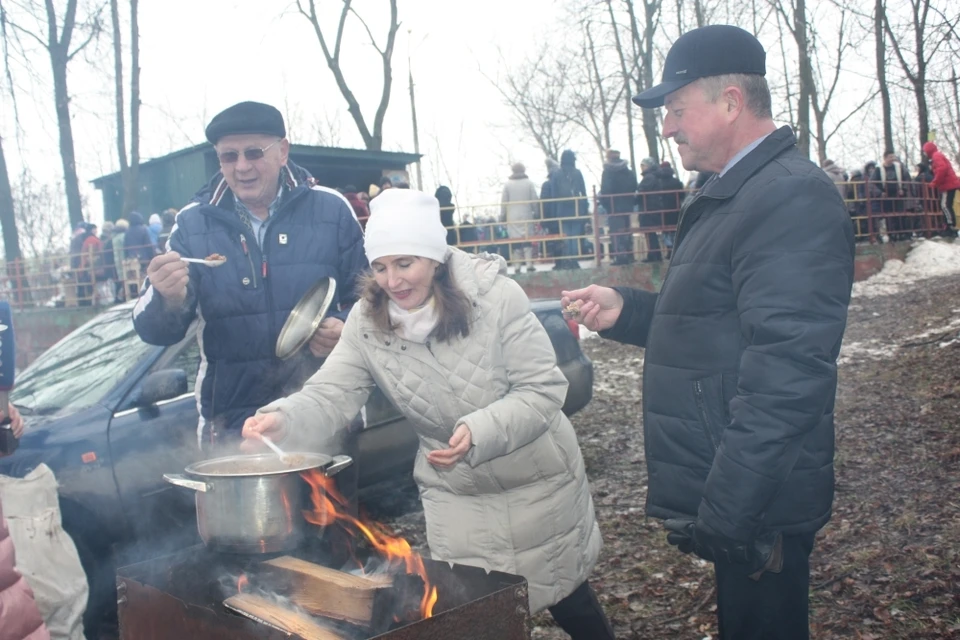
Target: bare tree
pixel 129 169
pixel 642 47
pixel 596 93
pixel 794 15
pixel 373 139
pixel 825 85
pixel 879 18
pixel 627 81
pixel 929 34
pixel 11 235
pixel 39 213
pixel 55 32
pixel 538 92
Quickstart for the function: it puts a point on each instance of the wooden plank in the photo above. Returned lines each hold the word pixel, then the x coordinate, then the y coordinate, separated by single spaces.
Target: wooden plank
pixel 326 592
pixel 279 617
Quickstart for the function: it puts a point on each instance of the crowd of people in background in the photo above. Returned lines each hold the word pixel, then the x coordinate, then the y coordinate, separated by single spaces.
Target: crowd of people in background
pixel 101 258
pixel 555 220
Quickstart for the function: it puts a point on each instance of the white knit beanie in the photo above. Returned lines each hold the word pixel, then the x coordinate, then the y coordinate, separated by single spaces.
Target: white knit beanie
pixel 405 222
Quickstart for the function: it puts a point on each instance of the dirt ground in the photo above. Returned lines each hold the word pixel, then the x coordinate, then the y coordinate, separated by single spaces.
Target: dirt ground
pixel 888 563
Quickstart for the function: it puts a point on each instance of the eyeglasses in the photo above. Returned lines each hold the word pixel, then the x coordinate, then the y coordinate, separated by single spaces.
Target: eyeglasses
pixel 229 157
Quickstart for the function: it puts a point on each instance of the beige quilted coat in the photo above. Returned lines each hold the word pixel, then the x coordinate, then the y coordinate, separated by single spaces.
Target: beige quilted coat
pixel 519 502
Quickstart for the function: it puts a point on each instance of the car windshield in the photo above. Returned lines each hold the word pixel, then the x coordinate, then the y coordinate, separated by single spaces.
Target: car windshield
pixel 81 369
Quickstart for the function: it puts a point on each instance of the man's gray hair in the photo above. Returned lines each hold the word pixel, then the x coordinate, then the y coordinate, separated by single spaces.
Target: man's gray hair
pixel 754 87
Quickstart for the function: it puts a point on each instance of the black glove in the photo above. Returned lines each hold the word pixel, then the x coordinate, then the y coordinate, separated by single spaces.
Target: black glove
pixel 764 553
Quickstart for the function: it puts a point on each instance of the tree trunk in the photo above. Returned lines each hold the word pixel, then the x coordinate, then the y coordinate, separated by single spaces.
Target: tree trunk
pixel 878 19
pixel 11 237
pixel 651 127
pixel 61 97
pixel 132 195
pixel 920 85
pixel 698 11
pixel 118 99
pixel 806 77
pixel 626 81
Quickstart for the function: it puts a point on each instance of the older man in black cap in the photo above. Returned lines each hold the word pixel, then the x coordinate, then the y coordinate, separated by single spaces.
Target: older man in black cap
pixel 740 371
pixel 280 233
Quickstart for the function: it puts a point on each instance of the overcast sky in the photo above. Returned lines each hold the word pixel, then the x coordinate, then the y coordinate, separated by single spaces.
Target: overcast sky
pixel 200 56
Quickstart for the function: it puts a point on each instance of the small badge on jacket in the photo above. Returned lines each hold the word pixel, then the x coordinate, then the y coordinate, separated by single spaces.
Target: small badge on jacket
pixel 283 238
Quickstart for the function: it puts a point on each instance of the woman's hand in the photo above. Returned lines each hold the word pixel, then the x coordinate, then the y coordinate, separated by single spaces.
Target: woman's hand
pixel 460 444
pixel 265 424
pixel 16 422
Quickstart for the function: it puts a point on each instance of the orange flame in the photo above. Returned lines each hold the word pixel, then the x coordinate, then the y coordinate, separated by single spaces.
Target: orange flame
pixel 329 506
pixel 242 583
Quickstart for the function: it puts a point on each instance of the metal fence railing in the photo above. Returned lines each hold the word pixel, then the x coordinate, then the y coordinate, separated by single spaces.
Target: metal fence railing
pixel 71 280
pixel 564 233
pixel 630 227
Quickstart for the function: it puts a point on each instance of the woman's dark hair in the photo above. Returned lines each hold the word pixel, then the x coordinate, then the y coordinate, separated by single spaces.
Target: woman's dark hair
pixel 453 306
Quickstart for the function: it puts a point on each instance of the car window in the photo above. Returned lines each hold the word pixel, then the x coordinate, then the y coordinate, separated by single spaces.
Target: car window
pixel 81 369
pixel 189 360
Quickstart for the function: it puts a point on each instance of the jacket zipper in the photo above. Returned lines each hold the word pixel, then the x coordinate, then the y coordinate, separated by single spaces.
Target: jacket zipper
pixel 246 252
pixel 265 273
pixel 703 416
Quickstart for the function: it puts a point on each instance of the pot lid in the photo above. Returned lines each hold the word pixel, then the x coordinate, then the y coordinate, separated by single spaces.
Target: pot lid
pixel 260 464
pixel 305 318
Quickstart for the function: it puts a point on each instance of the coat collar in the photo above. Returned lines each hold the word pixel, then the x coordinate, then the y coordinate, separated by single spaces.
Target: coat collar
pixel 773 145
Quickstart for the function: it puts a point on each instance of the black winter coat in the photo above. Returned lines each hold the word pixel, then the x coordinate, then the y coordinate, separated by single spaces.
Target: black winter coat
pixel 740 371
pixel 619 181
pixel 648 199
pixel 137 242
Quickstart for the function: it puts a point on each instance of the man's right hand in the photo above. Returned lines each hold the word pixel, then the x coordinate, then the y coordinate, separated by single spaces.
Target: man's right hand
pixel 169 276
pixel 599 306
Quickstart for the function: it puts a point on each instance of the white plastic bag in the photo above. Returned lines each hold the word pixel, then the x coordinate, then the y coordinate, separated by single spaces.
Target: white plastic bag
pixel 46 555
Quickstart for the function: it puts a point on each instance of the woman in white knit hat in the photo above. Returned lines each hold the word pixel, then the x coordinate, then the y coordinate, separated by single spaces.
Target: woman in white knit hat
pixel 454 345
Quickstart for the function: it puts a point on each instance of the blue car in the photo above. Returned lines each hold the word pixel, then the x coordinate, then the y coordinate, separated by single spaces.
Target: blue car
pixel 110 414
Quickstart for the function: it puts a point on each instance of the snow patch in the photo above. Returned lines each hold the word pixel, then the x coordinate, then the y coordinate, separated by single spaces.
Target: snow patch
pixel 927 259
pixel 865 350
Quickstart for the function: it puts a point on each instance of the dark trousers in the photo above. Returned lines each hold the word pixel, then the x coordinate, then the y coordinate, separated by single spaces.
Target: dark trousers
pixel 581 616
pixel 947 199
pixel 775 607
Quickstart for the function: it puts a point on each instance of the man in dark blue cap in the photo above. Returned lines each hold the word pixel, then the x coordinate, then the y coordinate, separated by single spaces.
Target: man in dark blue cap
pixel 280 233
pixel 740 372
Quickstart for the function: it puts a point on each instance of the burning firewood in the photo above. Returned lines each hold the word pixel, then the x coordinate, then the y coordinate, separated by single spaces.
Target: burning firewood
pixel 327 592
pixel 275 615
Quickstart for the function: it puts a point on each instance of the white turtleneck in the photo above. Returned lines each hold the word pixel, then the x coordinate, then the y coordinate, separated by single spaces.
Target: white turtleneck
pixel 414 325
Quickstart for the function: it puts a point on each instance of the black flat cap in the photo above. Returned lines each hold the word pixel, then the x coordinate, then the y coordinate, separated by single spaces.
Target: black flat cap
pixel 714 50
pixel 246 117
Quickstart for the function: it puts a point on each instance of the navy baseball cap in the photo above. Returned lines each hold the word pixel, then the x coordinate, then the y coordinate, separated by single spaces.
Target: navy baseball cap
pixel 714 50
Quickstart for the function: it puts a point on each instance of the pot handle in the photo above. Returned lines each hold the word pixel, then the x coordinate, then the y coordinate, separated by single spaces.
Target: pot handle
pixel 339 464
pixel 183 481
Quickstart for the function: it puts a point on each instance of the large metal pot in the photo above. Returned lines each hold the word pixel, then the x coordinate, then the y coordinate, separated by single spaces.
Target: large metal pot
pixel 254 503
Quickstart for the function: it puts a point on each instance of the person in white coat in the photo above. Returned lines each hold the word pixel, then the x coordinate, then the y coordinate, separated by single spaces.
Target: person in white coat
pixel 453 344
pixel 519 208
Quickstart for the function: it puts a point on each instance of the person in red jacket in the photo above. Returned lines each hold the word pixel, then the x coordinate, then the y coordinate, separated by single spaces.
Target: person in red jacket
pixel 19 617
pixel 946 182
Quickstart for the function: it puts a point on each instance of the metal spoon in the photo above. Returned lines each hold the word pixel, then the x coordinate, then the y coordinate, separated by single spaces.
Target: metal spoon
pixel 209 263
pixel 277 450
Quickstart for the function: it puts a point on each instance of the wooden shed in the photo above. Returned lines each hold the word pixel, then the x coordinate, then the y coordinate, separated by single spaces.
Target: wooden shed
pixel 171 180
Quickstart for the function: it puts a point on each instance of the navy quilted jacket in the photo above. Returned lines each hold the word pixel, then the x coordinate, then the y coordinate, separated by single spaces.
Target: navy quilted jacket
pixel 740 372
pixel 243 304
